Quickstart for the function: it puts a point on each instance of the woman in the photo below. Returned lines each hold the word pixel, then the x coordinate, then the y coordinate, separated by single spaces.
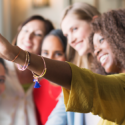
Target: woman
pixel 76 25
pixel 19 85
pixel 85 91
pixel 53 47
pixel 2 75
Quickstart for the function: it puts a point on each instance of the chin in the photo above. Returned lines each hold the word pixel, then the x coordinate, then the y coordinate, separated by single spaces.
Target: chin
pixel 110 71
pixel 107 71
pixel 82 53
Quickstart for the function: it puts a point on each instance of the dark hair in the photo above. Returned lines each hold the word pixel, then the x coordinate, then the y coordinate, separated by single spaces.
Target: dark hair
pixel 48 25
pixel 3 63
pixel 111 26
pixel 58 33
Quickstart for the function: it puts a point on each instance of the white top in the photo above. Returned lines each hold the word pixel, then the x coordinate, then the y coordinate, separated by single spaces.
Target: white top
pixel 16 105
pixel 91 119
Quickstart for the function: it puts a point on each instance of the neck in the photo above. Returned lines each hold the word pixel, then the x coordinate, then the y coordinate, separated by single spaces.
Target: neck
pixel 122 71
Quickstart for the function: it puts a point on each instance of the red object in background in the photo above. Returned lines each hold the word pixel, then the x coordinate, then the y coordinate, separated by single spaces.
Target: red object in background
pixel 45 98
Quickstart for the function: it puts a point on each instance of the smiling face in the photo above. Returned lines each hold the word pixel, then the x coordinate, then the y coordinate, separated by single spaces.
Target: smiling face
pixel 31 36
pixel 2 78
pixel 104 54
pixel 52 48
pixel 77 32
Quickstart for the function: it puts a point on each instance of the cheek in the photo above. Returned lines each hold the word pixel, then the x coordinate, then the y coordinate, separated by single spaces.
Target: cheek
pixel 61 59
pixel 37 44
pixel 2 87
pixel 85 33
pixel 46 56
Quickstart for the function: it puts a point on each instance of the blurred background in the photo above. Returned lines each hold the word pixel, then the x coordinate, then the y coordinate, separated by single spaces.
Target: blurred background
pixel 14 12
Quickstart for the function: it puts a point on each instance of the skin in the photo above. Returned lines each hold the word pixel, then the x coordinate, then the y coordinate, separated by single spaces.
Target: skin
pixel 30 39
pixel 57 71
pixel 31 36
pixel 52 48
pixel 105 55
pixel 2 78
pixel 77 32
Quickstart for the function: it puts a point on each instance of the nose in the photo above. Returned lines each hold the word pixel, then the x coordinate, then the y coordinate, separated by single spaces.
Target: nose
pixel 97 51
pixel 29 36
pixel 71 39
pixel 50 56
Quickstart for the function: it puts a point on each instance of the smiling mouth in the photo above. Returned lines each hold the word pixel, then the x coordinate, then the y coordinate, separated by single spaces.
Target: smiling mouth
pixel 28 45
pixel 78 42
pixel 78 45
pixel 103 59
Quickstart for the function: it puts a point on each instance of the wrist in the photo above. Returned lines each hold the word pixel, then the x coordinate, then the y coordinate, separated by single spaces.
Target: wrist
pixel 19 54
pixel 14 53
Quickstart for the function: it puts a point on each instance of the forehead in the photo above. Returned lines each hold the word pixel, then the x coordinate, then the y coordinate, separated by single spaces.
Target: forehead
pixel 35 24
pixel 71 21
pixel 68 22
pixel 52 42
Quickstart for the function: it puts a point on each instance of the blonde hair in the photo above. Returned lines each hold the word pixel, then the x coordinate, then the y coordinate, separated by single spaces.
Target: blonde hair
pixel 82 11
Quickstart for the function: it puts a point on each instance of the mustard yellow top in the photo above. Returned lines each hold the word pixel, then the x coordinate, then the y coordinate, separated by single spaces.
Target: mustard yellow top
pixel 101 95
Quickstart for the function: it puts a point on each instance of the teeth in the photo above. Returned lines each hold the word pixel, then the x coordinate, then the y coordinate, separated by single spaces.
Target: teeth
pixel 27 44
pixel 103 58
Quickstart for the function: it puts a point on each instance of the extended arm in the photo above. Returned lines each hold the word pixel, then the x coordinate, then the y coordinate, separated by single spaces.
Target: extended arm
pixel 102 95
pixel 57 71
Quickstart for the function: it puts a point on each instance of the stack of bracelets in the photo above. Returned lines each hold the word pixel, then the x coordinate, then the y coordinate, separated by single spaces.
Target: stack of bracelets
pixel 26 64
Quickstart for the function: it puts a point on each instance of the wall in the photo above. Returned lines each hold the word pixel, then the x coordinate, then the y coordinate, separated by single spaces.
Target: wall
pixel 5 19
pixel 105 5
pixel 16 11
pixel 22 9
pixel 1 17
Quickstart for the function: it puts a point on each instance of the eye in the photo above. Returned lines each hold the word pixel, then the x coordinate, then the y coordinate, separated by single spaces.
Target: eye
pixel 101 40
pixel 59 54
pixel 38 34
pixel 25 30
pixel 2 81
pixel 74 29
pixel 45 53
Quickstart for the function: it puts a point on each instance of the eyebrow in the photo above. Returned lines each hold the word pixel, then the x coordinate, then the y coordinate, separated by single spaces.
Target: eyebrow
pixel 59 51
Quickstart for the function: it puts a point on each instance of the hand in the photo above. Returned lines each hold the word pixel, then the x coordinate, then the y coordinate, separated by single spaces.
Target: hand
pixel 6 49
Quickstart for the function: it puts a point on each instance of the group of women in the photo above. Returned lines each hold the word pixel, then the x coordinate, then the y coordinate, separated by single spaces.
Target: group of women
pixel 99 42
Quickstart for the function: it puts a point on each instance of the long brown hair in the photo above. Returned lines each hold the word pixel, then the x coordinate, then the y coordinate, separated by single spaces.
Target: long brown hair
pixel 82 11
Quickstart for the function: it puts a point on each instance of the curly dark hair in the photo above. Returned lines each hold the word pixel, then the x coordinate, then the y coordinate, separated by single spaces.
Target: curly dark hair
pixel 111 26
